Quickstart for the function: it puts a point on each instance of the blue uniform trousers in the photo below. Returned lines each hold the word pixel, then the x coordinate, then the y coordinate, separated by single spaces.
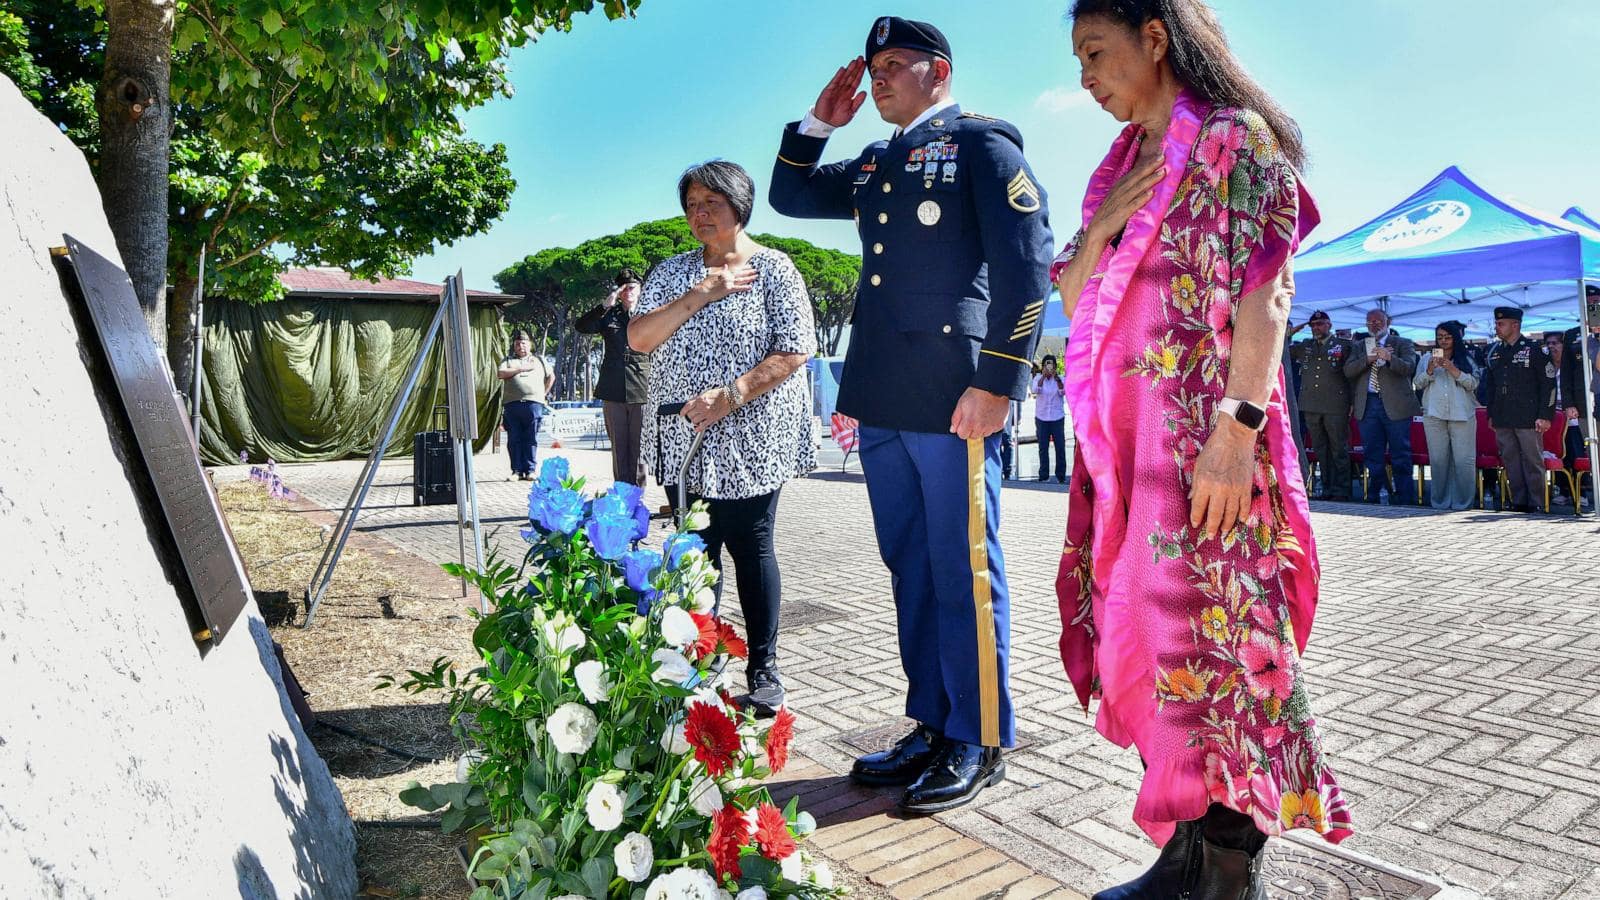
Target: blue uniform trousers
pixel 936 509
pixel 522 435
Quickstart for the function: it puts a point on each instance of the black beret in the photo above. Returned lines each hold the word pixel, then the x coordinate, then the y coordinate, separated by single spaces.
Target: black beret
pixel 1508 312
pixel 893 31
pixel 1319 316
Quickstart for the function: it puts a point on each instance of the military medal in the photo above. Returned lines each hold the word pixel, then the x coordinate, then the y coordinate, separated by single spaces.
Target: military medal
pixel 949 173
pixel 928 212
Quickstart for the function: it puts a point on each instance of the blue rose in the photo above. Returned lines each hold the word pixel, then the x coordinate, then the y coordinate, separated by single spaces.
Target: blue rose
pixel 632 495
pixel 678 544
pixel 638 566
pixel 609 535
pixel 553 473
pixel 610 506
pixel 559 510
pixel 641 522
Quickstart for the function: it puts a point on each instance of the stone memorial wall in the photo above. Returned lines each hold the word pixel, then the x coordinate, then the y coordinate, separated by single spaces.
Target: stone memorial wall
pixel 131 765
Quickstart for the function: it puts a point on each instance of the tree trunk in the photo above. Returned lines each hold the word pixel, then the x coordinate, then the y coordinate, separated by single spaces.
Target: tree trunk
pixel 180 332
pixel 135 130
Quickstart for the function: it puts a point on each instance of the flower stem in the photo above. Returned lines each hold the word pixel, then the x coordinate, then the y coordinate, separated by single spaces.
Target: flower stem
pixel 672 779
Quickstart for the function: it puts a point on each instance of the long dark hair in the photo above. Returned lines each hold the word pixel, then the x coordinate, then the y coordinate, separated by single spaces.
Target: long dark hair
pixel 1199 55
pixel 1459 353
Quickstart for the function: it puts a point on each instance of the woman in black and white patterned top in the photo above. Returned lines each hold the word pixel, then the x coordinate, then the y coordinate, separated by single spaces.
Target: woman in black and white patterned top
pixel 729 330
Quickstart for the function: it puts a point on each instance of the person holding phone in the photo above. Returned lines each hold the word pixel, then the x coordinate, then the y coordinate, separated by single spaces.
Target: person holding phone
pixel 1448 382
pixel 1050 418
pixel 624 376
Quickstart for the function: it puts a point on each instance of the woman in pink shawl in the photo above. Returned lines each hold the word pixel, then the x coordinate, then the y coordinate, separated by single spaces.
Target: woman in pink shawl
pixel 1189 578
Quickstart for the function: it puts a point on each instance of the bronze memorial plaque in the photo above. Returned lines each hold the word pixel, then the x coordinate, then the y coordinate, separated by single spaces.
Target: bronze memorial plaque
pixel 190 507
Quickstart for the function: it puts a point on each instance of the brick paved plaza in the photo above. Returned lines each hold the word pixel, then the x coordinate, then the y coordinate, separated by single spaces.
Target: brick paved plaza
pixel 1455 666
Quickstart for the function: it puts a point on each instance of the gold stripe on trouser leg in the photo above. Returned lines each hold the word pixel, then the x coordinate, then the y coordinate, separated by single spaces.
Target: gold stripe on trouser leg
pixel 982 598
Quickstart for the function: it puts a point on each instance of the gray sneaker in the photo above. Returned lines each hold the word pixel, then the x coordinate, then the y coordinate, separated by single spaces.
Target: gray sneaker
pixel 766 690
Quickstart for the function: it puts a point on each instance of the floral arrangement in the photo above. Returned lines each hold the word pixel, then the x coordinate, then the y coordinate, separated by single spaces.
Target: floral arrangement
pixel 603 755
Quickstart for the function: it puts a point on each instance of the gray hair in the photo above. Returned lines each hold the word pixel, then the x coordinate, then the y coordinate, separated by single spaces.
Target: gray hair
pixel 725 178
pixel 1380 311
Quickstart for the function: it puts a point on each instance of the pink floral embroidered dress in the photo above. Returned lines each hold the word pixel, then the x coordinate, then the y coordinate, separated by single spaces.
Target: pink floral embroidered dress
pixel 1193 646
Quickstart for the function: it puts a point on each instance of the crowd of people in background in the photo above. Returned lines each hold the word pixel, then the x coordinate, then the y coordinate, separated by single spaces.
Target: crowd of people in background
pixel 1378 383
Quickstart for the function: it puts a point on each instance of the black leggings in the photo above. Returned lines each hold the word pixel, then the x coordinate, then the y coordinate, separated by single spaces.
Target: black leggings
pixel 745 527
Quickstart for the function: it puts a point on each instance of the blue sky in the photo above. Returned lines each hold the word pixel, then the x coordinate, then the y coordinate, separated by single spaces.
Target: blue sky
pixel 1388 92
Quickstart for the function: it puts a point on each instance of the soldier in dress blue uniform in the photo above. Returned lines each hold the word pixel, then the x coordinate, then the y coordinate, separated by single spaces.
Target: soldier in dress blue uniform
pixel 956 250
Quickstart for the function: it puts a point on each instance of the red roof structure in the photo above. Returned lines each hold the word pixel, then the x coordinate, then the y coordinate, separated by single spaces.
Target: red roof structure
pixel 337 284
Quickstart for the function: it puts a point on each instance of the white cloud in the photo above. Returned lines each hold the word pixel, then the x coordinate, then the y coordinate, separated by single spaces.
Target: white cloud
pixel 1062 98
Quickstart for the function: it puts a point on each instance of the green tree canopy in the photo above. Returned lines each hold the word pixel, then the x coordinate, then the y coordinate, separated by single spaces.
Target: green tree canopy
pixel 370 208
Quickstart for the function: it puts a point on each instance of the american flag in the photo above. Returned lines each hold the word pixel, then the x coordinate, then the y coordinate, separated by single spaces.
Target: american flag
pixel 846 432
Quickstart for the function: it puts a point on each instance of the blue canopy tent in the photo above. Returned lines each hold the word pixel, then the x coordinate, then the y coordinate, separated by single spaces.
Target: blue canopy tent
pixel 1452 250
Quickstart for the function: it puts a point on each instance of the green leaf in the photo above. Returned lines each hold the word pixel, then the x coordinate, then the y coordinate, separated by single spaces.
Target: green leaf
pixel 571 883
pixel 272 22
pixel 420 797
pixel 453 793
pixel 597 874
pixel 482 892
pixel 452 819
pixel 570 823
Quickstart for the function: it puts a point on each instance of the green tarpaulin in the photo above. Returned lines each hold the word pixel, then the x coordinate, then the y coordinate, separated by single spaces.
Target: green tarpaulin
pixel 312 380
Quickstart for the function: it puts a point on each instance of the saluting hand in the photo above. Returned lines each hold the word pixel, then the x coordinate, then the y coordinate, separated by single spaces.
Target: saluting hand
pixel 839 101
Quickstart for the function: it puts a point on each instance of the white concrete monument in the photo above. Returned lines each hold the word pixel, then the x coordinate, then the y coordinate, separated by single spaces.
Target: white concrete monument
pixel 130 764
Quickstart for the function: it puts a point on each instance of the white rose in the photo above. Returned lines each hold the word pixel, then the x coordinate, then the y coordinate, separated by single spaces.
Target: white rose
pixel 673 740
pixel 793 868
pixel 572 897
pixel 705 600
pixel 465 763
pixel 572 728
pixel 705 796
pixel 562 636
pixel 634 856
pixel 752 893
pixel 604 806
pixel 822 876
pixel 698 518
pixel 693 884
pixel 592 680
pixel 671 666
pixel 677 628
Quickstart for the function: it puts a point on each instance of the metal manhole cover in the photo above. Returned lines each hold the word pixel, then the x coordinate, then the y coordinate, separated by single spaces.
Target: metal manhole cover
pixel 874 738
pixel 1296 871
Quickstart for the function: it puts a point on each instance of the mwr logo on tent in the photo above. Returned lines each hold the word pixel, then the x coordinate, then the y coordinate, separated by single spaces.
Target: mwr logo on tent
pixel 1419 225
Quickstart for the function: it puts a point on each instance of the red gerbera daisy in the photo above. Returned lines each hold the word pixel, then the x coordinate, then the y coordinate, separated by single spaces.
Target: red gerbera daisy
pixel 731 642
pixel 730 832
pixel 706 644
pixel 772 833
pixel 778 737
pixel 714 737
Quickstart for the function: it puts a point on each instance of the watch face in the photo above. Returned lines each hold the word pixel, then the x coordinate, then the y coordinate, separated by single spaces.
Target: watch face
pixel 1250 416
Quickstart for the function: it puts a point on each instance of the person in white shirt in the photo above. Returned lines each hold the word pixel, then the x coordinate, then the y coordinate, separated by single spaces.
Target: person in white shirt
pixel 1050 418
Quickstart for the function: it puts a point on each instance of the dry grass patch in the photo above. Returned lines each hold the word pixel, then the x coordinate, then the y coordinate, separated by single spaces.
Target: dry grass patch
pixel 385 611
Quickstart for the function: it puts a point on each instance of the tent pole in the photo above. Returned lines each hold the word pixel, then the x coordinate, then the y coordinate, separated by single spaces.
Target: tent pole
pixel 1592 439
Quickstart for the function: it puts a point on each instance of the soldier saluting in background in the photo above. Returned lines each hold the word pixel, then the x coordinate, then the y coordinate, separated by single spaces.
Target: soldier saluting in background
pixel 956 248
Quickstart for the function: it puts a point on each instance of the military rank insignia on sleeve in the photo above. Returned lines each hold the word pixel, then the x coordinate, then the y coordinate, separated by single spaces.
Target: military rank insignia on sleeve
pixel 1022 194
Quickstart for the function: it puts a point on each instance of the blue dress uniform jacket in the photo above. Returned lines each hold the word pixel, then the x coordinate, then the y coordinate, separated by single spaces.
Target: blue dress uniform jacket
pixel 956 250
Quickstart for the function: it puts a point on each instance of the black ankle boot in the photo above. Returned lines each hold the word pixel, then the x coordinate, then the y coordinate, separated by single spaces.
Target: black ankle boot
pixel 1169 878
pixel 1228 874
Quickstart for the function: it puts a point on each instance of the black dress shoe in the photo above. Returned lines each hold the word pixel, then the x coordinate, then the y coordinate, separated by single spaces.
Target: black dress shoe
pixel 1227 875
pixel 953 778
pixel 1171 874
pixel 902 763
